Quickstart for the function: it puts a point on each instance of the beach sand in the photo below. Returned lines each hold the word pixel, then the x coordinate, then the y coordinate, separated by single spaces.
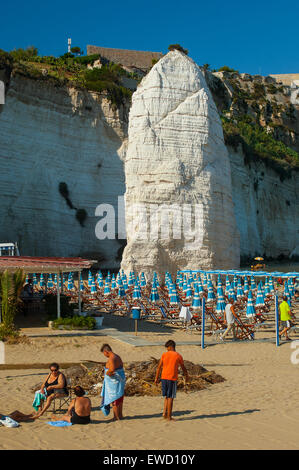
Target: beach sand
pixel 255 408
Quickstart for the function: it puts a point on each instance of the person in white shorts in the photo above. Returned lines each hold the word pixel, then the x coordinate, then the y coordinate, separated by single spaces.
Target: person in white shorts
pixel 229 318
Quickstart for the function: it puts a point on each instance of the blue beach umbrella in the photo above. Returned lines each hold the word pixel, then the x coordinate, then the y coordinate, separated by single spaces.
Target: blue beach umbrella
pixel 240 292
pixel 173 296
pixel 200 286
pixel 93 289
pixel 252 283
pixel 219 287
pixel 250 310
pixel 287 293
pixel 271 285
pixel 89 278
pixel 259 301
pixel 156 280
pixel 81 284
pixel 142 280
pixel 131 280
pixel 113 283
pixel 227 285
pixel 70 282
pixel 246 285
pixel 196 301
pixel 211 295
pixel 121 291
pixel 100 281
pixel 34 280
pixel 42 281
pixel 50 284
pixel 231 293
pixel 107 289
pixel 267 291
pixel 189 292
pixel 136 292
pixel 154 293
pixel 220 306
pixel 125 284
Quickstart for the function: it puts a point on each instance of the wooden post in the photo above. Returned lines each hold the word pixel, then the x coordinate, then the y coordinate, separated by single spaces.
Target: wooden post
pixel 136 323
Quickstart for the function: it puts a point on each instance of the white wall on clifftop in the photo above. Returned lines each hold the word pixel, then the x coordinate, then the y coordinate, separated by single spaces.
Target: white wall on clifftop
pixel 51 135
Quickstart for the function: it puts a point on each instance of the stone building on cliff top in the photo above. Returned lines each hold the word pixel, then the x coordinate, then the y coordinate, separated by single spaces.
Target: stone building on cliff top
pixel 132 60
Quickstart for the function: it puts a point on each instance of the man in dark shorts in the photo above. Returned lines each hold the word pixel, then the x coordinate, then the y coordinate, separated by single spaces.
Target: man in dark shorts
pixel 169 364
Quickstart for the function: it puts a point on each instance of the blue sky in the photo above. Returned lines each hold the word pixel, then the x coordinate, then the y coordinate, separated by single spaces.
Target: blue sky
pixel 257 37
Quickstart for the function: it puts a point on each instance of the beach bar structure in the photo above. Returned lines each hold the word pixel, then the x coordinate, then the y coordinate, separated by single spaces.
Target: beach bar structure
pixel 30 265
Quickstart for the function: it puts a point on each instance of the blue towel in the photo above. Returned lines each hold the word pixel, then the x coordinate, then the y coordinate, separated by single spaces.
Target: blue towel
pixel 113 389
pixel 38 397
pixel 59 424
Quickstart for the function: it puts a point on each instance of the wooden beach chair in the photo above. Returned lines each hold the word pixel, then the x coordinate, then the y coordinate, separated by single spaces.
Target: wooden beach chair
pixel 243 330
pixel 217 324
pixel 174 320
pixel 195 323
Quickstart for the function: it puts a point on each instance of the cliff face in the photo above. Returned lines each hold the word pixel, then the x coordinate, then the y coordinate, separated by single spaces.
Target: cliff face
pixel 266 209
pixel 61 156
pixel 176 157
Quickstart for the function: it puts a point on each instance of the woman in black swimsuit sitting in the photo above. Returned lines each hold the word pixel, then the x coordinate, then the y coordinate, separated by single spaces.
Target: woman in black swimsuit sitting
pixel 55 385
pixel 79 409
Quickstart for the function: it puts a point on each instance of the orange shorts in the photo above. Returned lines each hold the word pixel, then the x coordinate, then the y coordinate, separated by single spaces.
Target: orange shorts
pixel 118 401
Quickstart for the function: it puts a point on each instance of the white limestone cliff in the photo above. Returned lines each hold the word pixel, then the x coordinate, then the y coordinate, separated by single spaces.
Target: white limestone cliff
pixel 48 136
pixel 266 208
pixel 176 156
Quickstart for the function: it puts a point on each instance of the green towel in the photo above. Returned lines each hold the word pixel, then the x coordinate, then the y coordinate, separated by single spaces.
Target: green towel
pixel 38 397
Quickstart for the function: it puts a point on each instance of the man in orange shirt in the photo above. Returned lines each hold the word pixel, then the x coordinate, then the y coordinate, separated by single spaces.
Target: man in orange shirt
pixel 169 364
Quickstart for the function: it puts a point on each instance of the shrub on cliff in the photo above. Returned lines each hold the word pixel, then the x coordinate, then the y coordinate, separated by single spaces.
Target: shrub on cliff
pixel 258 144
pixel 225 68
pixel 24 54
pixel 178 47
pixel 6 60
pixel 107 79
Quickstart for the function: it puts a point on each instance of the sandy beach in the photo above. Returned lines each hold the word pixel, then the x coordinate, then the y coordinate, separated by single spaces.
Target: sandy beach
pixel 255 408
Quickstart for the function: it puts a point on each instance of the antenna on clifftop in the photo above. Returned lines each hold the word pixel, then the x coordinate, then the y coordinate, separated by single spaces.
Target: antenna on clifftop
pixel 69 42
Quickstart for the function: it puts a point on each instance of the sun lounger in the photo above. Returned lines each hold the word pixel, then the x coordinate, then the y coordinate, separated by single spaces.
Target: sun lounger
pixel 243 330
pixel 294 329
pixel 167 319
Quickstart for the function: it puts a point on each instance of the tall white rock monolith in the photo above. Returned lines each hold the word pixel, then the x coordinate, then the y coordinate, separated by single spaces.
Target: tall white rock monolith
pixel 177 175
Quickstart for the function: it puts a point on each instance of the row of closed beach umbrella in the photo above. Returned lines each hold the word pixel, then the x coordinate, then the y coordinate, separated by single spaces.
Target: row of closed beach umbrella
pixel 188 286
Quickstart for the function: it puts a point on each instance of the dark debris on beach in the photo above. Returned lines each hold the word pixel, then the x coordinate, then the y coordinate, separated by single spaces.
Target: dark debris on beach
pixel 140 378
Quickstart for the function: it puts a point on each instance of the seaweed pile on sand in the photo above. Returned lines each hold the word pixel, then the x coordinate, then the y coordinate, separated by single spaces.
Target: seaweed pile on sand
pixel 140 377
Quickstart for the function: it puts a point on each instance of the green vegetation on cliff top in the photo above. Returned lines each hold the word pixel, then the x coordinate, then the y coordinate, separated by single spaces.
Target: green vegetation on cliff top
pixel 69 70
